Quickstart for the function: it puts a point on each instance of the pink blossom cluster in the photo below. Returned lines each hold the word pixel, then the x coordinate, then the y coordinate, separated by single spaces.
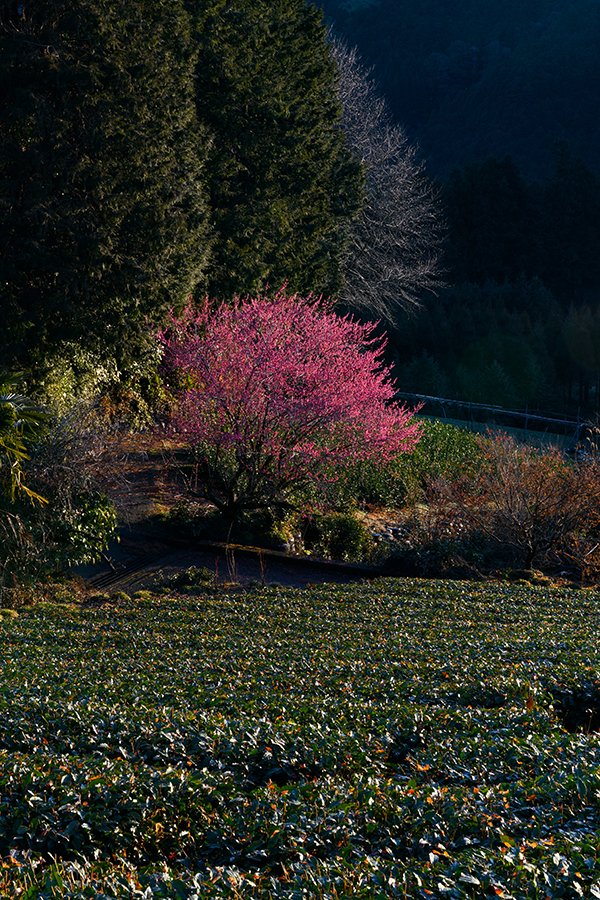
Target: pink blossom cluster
pixel 286 385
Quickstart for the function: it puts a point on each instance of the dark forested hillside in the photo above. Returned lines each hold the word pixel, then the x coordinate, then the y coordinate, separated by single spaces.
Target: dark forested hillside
pixel 501 96
pixel 474 78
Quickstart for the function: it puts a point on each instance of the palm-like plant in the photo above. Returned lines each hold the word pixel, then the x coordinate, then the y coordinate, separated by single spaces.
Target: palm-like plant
pixel 21 422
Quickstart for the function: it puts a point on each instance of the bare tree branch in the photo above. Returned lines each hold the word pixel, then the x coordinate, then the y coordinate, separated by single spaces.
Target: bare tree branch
pixel 393 253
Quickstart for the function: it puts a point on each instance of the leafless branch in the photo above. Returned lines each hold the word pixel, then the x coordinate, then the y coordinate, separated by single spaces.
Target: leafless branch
pixel 393 252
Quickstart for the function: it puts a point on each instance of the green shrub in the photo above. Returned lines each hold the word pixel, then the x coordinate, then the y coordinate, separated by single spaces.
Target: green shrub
pixel 81 531
pixel 59 535
pixel 76 520
pixel 193 577
pixel 369 484
pixel 336 536
pixel 8 614
pixel 261 528
pixel 74 377
pixel 444 451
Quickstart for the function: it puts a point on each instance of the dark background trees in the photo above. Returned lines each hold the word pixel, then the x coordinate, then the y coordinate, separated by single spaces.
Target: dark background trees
pixel 501 99
pixel 531 251
pixel 471 79
pixel 522 270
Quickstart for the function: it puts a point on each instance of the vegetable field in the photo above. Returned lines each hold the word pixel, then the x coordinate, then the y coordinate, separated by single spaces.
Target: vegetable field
pixel 396 739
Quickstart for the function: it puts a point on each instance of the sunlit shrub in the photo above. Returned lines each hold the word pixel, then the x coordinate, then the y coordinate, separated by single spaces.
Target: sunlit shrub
pixel 336 536
pixel 533 501
pixel 521 507
pixel 443 452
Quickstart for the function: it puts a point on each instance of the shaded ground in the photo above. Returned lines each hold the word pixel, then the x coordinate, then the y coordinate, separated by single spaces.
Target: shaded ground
pixel 144 474
pixel 142 559
pixel 147 476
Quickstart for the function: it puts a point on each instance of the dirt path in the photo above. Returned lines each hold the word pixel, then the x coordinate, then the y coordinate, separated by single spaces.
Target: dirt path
pixel 140 560
pixel 144 476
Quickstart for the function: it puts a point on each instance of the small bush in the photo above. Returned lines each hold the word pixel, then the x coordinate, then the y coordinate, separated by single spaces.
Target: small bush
pixel 73 377
pixel 192 519
pixel 437 538
pixel 445 452
pixel 76 520
pixel 336 536
pixel 533 501
pixel 57 536
pixel 580 552
pixel 260 528
pixel 8 614
pixel 368 484
pixel 193 577
pixel 84 529
pixel 523 506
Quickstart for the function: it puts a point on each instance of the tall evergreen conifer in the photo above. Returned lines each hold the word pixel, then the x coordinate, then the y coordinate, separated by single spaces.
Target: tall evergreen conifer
pixel 283 184
pixel 103 212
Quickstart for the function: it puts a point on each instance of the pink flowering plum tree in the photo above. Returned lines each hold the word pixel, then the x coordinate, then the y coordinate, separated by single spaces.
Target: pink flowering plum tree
pixel 278 391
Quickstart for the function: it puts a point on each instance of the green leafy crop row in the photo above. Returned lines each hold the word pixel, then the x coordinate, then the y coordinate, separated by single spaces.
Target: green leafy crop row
pixel 401 739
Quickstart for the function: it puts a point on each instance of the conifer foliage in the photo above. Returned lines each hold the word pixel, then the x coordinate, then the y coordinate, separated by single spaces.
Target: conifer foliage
pixel 149 151
pixel 283 184
pixel 103 209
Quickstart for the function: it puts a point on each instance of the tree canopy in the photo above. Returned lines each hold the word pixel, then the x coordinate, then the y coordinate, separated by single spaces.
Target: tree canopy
pixel 283 184
pixel 393 252
pixel 103 206
pixel 277 391
pixel 150 151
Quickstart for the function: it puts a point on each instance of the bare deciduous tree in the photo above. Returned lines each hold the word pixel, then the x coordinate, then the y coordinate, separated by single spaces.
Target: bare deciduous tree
pixel 393 252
